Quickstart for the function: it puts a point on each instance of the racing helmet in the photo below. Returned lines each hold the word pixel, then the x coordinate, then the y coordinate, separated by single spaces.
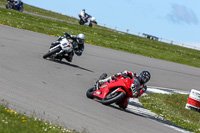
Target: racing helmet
pixel 144 77
pixel 83 10
pixel 81 38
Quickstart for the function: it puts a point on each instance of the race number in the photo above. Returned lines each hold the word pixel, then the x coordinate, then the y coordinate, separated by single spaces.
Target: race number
pixel 133 88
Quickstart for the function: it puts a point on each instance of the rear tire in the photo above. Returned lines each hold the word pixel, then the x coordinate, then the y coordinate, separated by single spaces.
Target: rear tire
pixel 90 24
pixel 113 99
pixel 51 53
pixel 90 93
pixel 21 9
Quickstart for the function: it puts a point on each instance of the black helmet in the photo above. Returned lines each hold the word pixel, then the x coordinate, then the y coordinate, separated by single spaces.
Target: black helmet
pixel 83 10
pixel 144 77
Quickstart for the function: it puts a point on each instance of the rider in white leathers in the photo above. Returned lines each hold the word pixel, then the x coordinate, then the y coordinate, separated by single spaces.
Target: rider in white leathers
pixel 84 15
pixel 77 42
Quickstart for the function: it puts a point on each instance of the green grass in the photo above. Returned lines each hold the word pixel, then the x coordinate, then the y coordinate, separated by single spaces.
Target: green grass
pixel 40 11
pixel 13 122
pixel 43 12
pixel 172 108
pixel 3 2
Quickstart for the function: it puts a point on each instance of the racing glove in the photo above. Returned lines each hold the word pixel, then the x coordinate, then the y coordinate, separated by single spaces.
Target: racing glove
pixel 118 74
pixel 67 34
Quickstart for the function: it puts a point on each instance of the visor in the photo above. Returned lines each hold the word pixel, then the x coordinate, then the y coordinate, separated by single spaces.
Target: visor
pixel 81 40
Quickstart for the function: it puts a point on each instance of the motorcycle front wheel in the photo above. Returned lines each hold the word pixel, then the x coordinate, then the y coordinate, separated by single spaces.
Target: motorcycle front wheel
pixel 113 98
pixel 90 93
pixel 8 6
pixel 51 53
pixel 81 22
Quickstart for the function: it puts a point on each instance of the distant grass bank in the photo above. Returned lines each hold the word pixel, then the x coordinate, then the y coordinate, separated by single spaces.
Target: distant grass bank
pixel 100 36
pixel 40 11
pixel 172 108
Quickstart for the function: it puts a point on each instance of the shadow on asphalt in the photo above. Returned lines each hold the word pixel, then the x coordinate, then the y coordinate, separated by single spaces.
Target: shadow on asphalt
pixel 72 65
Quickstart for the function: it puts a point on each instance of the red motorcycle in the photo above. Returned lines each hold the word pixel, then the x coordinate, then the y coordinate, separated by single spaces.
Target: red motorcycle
pixel 116 91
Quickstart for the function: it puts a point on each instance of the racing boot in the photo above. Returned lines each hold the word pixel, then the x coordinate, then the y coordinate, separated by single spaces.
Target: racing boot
pixel 123 103
pixel 69 57
pixel 59 58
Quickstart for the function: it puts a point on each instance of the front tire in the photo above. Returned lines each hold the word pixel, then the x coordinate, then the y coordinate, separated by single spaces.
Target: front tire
pixel 90 93
pixel 113 98
pixel 8 6
pixel 51 53
pixel 81 22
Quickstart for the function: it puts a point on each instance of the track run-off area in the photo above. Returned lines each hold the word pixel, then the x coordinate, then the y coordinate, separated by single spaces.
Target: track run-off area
pixel 56 91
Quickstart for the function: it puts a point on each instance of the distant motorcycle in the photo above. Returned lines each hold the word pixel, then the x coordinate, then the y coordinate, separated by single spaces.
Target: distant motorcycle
pixel 11 5
pixel 114 91
pixel 89 21
pixel 59 51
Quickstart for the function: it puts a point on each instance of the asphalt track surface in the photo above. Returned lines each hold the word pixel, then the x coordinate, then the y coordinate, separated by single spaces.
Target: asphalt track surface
pixel 57 91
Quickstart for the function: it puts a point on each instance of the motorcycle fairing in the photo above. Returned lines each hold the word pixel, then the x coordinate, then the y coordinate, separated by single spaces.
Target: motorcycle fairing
pixel 66 45
pixel 114 85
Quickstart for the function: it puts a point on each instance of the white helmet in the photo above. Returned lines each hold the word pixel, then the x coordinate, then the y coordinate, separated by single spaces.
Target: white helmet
pixel 81 38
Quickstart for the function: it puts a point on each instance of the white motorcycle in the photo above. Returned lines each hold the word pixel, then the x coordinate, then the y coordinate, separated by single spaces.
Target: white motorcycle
pixel 87 21
pixel 59 51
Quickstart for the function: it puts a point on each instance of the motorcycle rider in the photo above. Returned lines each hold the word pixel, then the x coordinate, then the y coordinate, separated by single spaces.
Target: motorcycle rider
pixel 84 15
pixel 17 4
pixel 142 79
pixel 77 42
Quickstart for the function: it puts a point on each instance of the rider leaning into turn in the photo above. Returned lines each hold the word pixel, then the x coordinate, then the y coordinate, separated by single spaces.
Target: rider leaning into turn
pixel 143 78
pixel 17 4
pixel 84 15
pixel 77 42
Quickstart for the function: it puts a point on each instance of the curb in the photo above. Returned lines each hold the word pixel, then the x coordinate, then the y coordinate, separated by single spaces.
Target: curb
pixel 137 108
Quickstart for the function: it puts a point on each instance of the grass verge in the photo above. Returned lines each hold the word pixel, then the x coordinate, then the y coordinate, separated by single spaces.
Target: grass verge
pixel 172 107
pixel 43 12
pixel 13 122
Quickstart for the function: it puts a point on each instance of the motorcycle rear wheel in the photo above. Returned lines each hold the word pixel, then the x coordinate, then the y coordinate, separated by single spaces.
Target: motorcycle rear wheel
pixel 21 9
pixel 90 24
pixel 51 53
pixel 109 99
